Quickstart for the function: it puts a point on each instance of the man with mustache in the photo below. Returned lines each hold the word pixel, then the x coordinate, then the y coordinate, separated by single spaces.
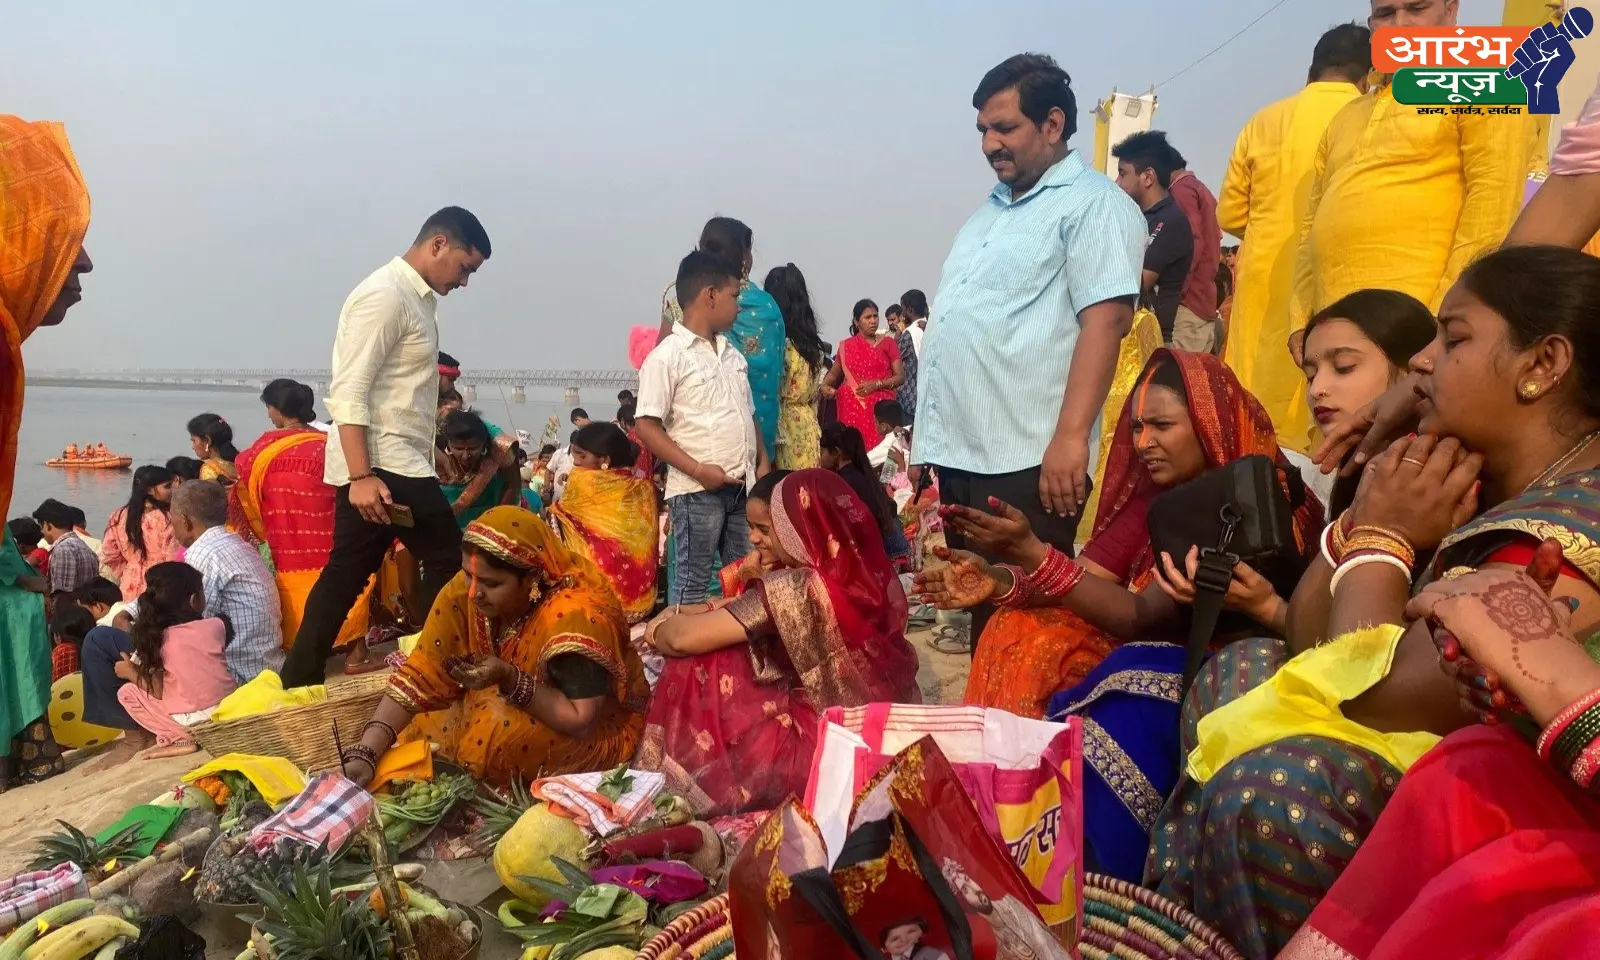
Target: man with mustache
pixel 1035 298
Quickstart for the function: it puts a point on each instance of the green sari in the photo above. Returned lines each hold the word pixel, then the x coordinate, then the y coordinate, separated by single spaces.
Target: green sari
pixel 29 752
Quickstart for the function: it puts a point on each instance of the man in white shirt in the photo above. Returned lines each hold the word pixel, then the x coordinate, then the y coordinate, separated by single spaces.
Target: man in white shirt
pixel 383 399
pixel 696 413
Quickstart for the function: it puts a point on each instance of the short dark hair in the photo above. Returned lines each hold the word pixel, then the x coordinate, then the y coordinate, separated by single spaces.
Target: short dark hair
pixel 916 302
pixel 762 489
pixel 625 396
pixel 700 270
pixel 71 623
pixel 1148 150
pixel 890 412
pixel 548 450
pixel 99 591
pixel 893 310
pixel 627 413
pixel 53 512
pixel 727 238
pixel 459 227
pixel 1041 86
pixel 79 518
pixel 1345 53
pixel 465 426
pixel 25 530
pixel 580 412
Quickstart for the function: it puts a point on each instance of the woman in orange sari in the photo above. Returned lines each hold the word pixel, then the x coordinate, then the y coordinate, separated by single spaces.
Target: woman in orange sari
pixel 523 669
pixel 282 506
pixel 608 515
pixel 733 723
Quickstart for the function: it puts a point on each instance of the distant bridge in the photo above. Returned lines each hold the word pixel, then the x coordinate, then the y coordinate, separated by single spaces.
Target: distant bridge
pixel 569 381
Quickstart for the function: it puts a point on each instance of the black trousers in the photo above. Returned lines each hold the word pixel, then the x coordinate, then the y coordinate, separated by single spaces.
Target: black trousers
pixel 358 551
pixel 1021 490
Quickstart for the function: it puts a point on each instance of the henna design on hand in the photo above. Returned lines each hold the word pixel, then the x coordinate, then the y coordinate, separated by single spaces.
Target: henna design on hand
pixel 1524 614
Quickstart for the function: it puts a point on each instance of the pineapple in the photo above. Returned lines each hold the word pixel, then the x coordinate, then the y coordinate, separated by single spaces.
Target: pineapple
pixel 500 812
pixel 306 922
pixel 96 859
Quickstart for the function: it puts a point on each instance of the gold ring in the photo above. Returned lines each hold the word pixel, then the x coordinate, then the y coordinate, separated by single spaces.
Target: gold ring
pixel 1412 460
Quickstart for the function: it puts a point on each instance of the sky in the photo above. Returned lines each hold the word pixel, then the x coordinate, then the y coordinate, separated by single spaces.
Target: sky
pixel 250 163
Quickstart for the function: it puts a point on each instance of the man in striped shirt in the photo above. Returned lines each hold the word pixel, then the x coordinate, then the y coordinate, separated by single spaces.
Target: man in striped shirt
pixel 1035 298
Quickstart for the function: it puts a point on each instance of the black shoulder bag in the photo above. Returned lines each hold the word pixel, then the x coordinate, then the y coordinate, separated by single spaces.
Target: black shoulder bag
pixel 1238 512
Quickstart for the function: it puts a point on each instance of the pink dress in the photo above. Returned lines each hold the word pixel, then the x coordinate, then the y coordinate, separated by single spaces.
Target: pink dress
pixel 196 680
pixel 125 560
pixel 1578 151
pixel 864 362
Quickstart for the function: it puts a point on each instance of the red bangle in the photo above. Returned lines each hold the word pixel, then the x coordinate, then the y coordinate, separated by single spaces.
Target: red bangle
pixel 1587 764
pixel 1564 719
pixel 1021 588
pixel 1057 575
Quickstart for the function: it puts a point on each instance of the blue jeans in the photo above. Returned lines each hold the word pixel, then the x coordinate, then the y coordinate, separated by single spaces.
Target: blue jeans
pixel 705 525
pixel 102 648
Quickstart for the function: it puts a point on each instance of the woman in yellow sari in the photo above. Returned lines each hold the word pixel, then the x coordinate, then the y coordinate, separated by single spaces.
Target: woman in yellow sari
pixel 282 506
pixel 608 516
pixel 523 669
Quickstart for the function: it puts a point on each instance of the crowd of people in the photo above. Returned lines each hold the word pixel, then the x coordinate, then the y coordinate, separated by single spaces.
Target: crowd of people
pixel 1379 738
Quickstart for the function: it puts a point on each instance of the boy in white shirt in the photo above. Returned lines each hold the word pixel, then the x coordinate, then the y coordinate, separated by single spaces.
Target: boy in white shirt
pixel 695 413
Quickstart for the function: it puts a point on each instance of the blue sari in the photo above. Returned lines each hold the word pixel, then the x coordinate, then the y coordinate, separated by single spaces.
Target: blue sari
pixel 760 335
pixel 1131 751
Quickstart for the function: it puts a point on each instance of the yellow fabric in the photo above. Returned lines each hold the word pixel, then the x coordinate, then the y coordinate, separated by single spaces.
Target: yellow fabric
pixel 276 778
pixel 408 644
pixel 265 694
pixel 1142 340
pixel 1404 201
pixel 1265 196
pixel 1303 699
pixel 406 761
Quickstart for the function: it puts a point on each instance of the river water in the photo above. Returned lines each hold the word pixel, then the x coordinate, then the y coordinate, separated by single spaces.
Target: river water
pixel 148 425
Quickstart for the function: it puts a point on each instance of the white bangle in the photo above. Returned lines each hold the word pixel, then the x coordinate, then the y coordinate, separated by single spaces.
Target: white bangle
pixel 1366 558
pixel 1326 542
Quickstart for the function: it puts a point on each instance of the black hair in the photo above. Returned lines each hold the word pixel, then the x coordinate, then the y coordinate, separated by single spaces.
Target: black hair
pixel 445 360
pixel 580 412
pixel 1148 150
pixel 787 286
pixel 145 479
pixel 862 306
pixel 607 441
pixel 25 530
pixel 452 393
pixel 917 922
pixel 185 468
pixel 626 414
pixel 850 444
pixel 79 518
pixel 916 303
pixel 1545 291
pixel 548 450
pixel 98 591
pixel 625 396
pixel 1400 324
pixel 1163 371
pixel 572 438
pixel 211 427
pixel 53 512
pixel 1041 86
pixel 762 489
pixel 290 398
pixel 893 310
pixel 459 227
pixel 494 559
pixel 71 623
pixel 729 239
pixel 1343 53
pixel 700 270
pixel 464 426
pixel 890 412
pixel 167 601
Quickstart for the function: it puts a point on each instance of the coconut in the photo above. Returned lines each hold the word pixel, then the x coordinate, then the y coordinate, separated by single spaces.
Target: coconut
pixel 526 849
pixel 161 890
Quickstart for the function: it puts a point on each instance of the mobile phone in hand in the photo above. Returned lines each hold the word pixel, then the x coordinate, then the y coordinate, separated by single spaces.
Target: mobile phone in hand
pixel 400 516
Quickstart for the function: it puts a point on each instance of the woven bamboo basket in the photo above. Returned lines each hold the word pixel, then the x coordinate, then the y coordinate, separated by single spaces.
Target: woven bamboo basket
pixel 704 933
pixel 1125 922
pixel 304 735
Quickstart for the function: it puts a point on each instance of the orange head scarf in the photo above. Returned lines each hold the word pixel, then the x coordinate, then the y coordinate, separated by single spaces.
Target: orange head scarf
pixel 44 214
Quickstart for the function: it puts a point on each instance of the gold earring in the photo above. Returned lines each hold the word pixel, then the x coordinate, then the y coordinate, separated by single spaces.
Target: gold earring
pixel 1529 389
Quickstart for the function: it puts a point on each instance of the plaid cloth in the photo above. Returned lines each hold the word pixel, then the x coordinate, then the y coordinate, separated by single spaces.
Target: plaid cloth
pixel 63 660
pixel 27 895
pixel 72 564
pixel 327 812
pixel 576 796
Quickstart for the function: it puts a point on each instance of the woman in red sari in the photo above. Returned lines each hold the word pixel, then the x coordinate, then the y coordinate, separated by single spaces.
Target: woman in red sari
pixel 1490 847
pixel 280 502
pixel 733 721
pixel 869 370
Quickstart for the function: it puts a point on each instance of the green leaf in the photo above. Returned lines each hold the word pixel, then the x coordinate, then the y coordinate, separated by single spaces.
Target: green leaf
pixel 616 783
pixel 551 889
pixel 572 873
pixel 597 901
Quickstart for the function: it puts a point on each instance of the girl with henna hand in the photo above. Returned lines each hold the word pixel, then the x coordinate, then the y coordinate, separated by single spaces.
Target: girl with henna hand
pixel 1090 641
pixel 1491 845
pixel 1508 396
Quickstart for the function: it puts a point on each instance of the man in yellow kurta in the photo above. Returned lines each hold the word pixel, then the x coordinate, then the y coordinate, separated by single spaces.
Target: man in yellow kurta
pixel 1265 196
pixel 1403 200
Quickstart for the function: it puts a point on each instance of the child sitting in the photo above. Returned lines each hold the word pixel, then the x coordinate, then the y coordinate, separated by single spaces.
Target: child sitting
pixel 29 537
pixel 103 599
pixel 177 673
pixel 68 627
pixel 891 457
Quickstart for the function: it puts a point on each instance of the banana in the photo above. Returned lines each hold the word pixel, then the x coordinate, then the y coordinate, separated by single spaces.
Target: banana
pixel 22 937
pixel 109 951
pixel 81 938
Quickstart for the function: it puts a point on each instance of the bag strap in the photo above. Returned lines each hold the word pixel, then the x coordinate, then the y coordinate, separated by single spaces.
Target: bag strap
pixel 816 888
pixel 1211 582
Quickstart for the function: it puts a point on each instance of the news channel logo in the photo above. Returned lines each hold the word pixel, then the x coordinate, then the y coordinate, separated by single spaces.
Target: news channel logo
pixel 1481 69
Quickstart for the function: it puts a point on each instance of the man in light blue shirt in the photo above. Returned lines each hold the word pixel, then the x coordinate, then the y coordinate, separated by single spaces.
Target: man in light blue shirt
pixel 1034 300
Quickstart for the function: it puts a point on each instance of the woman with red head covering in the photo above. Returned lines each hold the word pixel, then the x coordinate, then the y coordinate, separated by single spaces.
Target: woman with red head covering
pixel 733 721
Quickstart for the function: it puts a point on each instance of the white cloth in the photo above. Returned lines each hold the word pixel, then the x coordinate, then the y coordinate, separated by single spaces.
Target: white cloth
pixel 319 425
pixel 700 391
pixel 892 440
pixel 1320 484
pixel 917 330
pixel 386 373
pixel 560 470
pixel 111 615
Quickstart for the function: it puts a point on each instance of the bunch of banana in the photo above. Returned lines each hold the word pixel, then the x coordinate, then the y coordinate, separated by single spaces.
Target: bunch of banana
pixel 76 938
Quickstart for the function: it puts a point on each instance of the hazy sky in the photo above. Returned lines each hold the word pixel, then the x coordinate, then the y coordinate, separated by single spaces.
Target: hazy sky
pixel 250 162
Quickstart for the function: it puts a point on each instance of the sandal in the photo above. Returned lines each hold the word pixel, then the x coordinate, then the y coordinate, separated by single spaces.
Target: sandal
pixel 950 639
pixel 370 665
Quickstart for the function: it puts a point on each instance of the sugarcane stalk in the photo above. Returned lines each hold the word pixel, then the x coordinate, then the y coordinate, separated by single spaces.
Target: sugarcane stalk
pixel 171 851
pixel 372 833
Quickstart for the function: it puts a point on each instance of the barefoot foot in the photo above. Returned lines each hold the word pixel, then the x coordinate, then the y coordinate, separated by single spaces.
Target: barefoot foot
pixel 167 750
